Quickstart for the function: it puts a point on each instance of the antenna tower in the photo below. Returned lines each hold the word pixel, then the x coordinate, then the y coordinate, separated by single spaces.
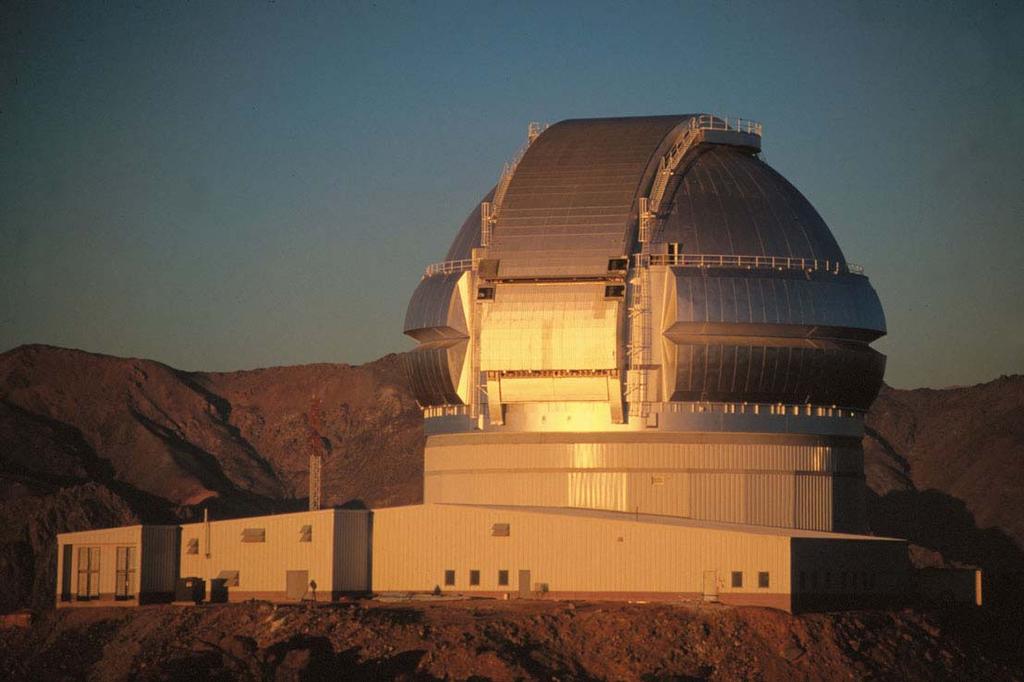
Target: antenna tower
pixel 316 453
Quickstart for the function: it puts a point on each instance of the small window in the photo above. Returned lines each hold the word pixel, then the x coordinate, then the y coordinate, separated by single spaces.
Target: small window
pixel 193 546
pixel 657 480
pixel 230 578
pixel 449 578
pixel 501 530
pixel 503 577
pixel 485 294
pixel 474 577
pixel 254 535
pixel 306 534
pixel 762 579
pixel 615 291
pixel 617 264
pixel 737 578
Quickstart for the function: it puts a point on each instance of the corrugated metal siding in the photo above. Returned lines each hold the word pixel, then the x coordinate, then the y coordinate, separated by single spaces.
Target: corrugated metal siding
pixel 351 551
pixel 769 499
pixel 771 485
pixel 159 558
pixel 717 497
pixel 813 502
pixel 661 456
pixel 262 565
pixel 413 546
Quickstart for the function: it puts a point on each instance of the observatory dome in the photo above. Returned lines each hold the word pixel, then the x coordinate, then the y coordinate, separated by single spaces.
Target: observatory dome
pixel 642 315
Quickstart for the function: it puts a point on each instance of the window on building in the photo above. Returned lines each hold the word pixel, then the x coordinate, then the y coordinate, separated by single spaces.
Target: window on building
pixel 193 546
pixel 230 578
pixel 501 530
pixel 615 291
pixel 474 577
pixel 88 573
pixel 803 580
pixel 449 578
pixel 254 535
pixel 485 294
pixel 124 575
pixel 306 534
pixel 617 264
pixel 762 579
pixel 737 578
pixel 503 577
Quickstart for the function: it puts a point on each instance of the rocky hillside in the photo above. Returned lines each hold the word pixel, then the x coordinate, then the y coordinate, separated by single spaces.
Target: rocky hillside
pixel 91 440
pixel 495 640
pixel 947 471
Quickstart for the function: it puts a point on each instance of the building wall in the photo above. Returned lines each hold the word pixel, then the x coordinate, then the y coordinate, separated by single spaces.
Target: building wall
pixel 834 573
pixel 261 566
pixel 574 553
pixel 810 485
pixel 335 557
pixel 107 540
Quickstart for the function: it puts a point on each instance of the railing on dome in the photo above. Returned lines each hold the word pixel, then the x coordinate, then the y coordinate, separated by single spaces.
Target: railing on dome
pixel 704 260
pixel 740 125
pixel 449 267
pixel 771 409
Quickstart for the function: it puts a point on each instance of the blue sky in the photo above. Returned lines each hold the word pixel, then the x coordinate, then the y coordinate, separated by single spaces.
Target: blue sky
pixel 227 185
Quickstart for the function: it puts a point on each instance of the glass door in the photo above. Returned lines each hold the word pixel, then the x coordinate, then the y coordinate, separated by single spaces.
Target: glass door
pixel 124 584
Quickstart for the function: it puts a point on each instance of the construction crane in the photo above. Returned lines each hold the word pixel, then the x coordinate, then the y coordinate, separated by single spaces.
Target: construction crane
pixel 316 452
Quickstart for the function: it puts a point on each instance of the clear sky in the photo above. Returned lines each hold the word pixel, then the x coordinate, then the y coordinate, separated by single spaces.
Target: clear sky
pixel 225 185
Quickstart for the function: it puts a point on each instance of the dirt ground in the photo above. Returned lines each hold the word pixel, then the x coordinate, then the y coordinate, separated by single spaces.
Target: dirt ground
pixel 483 639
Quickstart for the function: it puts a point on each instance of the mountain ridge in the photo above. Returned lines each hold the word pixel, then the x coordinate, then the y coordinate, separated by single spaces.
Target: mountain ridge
pixel 135 439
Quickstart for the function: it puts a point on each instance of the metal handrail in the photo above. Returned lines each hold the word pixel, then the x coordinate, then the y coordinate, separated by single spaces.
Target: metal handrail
pixel 704 260
pixel 713 122
pixel 449 267
pixel 695 260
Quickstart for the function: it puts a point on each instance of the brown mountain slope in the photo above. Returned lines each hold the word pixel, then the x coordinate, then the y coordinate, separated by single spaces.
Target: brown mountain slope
pixel 947 467
pixel 152 442
pixel 90 440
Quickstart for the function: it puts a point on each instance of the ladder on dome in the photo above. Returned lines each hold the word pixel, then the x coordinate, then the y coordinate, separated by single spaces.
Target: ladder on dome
pixel 650 218
pixel 489 209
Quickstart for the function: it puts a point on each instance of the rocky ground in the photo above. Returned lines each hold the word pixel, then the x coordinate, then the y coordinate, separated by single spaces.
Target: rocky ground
pixel 482 639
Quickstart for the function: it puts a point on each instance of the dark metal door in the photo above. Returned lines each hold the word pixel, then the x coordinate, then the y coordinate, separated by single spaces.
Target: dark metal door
pixel 65 573
pixel 524 584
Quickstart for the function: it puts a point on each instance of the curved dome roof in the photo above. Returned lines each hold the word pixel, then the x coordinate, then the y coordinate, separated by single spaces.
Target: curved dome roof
pixel 558 273
pixel 730 202
pixel 575 192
